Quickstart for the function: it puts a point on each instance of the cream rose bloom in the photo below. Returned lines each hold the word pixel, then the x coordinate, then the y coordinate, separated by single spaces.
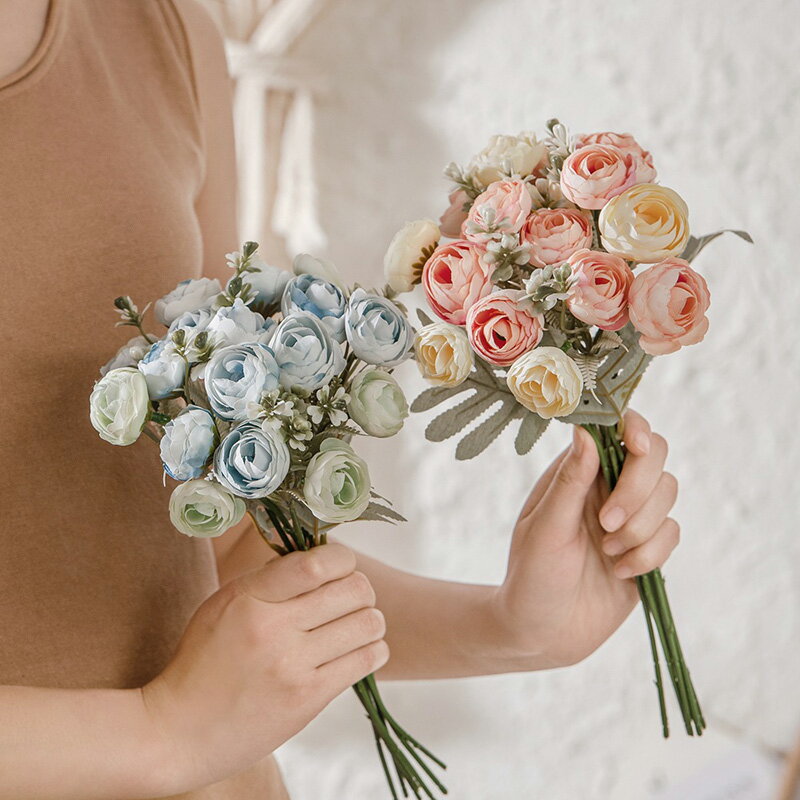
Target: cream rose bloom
pixel 504 155
pixel 646 223
pixel 546 381
pixel 408 251
pixel 444 356
pixel 119 405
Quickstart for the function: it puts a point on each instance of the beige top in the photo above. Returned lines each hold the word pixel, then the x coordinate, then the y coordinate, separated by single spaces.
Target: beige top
pixel 102 159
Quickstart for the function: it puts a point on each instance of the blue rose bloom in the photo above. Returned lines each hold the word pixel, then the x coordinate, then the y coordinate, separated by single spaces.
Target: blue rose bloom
pixel 320 298
pixel 377 330
pixel 252 461
pixel 267 282
pixel 237 376
pixel 307 355
pixel 188 443
pixel 163 369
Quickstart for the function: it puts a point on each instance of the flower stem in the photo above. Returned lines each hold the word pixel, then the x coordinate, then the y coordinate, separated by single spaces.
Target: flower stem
pixel 657 611
pixel 402 748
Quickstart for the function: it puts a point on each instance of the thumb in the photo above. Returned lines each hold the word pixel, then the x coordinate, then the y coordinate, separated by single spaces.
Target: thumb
pixel 561 508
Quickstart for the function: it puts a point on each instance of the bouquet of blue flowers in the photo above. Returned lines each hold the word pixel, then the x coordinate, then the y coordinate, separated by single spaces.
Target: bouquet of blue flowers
pixel 253 394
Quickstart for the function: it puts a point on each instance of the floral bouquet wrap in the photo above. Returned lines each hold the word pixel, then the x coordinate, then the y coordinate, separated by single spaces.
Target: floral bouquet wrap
pixel 567 269
pixel 252 394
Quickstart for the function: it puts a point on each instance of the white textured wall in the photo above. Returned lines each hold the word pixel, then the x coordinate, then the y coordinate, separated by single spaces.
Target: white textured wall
pixel 712 88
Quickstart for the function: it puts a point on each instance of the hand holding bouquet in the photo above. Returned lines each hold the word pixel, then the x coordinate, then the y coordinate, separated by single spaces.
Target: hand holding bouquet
pixel 253 394
pixel 567 270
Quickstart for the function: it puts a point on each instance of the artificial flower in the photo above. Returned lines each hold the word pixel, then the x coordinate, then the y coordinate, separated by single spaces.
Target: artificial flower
pixel 204 509
pixel 407 253
pixel 500 329
pixel 646 223
pixel 119 405
pixel 444 355
pixel 377 403
pixel 668 304
pixel 337 484
pixel 188 443
pixel 546 381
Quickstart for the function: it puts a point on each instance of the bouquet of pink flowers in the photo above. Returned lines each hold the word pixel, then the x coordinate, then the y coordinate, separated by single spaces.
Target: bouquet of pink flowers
pixel 567 269
pixel 252 393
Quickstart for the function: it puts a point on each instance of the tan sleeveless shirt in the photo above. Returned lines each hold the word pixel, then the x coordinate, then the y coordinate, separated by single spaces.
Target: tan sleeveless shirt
pixel 101 160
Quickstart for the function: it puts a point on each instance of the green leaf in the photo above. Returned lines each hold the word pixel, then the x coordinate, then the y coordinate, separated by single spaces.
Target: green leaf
pixel 423 317
pixel 478 439
pixel 697 243
pixel 455 419
pixel 431 398
pixel 530 429
pixel 617 377
pixel 377 512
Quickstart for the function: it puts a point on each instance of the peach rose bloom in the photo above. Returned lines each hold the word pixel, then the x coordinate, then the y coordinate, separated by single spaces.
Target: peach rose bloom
pixel 510 203
pixel 592 175
pixel 454 217
pixel 668 304
pixel 645 171
pixel 454 278
pixel 500 330
pixel 554 234
pixel 599 294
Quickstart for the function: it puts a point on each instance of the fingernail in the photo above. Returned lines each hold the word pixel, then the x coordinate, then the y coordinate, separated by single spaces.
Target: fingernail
pixel 642 443
pixel 613 518
pixel 577 442
pixel 613 546
pixel 623 572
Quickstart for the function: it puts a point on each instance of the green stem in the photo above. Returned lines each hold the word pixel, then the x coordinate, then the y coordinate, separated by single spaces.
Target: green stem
pixel 652 592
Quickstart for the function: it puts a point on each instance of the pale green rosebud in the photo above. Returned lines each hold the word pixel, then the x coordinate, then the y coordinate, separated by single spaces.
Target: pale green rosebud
pixel 377 403
pixel 204 509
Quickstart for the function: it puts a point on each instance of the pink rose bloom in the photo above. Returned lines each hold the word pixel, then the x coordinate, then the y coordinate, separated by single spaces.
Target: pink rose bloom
pixel 593 174
pixel 454 278
pixel 502 208
pixel 500 330
pixel 645 171
pixel 599 294
pixel 451 221
pixel 554 234
pixel 668 304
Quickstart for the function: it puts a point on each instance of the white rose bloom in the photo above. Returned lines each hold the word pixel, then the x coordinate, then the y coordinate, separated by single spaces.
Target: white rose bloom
pixel 444 355
pixel 337 486
pixel 164 370
pixel 190 295
pixel 646 223
pixel 516 155
pixel 119 406
pixel 546 381
pixel 408 251
pixel 202 508
pixel 129 355
pixel 238 324
pixel 305 264
pixel 377 403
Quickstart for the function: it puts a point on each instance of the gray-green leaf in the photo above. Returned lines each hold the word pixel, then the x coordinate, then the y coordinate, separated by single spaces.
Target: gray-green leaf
pixel 617 377
pixel 530 429
pixel 696 244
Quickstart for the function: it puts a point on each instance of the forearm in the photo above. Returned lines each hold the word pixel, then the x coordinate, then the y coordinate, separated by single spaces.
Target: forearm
pixel 443 629
pixel 81 745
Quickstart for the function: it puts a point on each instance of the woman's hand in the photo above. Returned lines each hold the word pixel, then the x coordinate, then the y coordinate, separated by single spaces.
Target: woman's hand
pixel 261 658
pixel 575 548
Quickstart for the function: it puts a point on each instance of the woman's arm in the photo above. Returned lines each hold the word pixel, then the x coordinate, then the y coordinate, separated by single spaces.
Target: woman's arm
pixel 79 744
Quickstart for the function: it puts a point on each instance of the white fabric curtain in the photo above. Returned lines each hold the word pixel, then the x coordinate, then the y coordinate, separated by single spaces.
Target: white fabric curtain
pixel 274 118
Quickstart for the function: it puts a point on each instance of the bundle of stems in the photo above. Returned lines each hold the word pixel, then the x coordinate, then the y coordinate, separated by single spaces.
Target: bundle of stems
pixel 653 595
pixel 407 756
